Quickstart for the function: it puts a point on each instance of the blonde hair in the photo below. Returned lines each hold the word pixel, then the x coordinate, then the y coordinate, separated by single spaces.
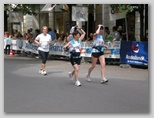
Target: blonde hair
pixel 45 27
pixel 6 34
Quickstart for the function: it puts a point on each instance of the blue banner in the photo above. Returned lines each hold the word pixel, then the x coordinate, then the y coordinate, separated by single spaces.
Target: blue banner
pixel 135 53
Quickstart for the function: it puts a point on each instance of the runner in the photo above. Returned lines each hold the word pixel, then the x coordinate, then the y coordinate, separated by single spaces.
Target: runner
pixel 43 40
pixel 98 53
pixel 75 58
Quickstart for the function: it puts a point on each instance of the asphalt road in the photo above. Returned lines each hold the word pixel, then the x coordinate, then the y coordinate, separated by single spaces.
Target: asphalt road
pixel 26 91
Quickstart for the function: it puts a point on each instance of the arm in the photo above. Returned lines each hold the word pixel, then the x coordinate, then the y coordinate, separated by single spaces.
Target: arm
pixel 37 40
pixel 50 40
pixel 66 45
pixel 83 35
pixel 97 31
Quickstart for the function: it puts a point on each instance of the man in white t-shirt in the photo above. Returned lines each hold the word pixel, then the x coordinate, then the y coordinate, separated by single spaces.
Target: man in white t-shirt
pixel 43 40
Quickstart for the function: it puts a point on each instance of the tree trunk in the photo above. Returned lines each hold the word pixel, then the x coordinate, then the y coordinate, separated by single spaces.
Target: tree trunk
pixel 141 21
pixel 5 21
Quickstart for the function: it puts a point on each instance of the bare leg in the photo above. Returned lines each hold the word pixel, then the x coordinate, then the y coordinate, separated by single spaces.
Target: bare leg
pixel 94 61
pixel 76 71
pixel 102 62
pixel 43 66
pixel 73 72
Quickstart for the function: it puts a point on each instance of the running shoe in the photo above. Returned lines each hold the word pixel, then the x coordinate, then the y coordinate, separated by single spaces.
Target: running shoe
pixel 88 78
pixel 40 71
pixel 44 72
pixel 104 81
pixel 77 83
pixel 70 75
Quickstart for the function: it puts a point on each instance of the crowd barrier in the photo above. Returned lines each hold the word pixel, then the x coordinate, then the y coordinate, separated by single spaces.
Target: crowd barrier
pixel 125 52
pixel 113 51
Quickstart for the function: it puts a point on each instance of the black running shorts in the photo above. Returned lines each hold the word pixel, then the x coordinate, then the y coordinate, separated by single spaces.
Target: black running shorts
pixel 97 55
pixel 75 61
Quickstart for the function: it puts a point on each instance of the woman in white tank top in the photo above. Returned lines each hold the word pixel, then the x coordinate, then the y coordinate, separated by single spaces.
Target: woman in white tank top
pixel 98 53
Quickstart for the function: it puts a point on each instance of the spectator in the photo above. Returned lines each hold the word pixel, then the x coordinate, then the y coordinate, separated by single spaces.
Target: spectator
pixel 106 30
pixel 57 35
pixel 64 38
pixel 122 33
pixel 28 36
pixel 7 43
pixel 90 38
pixel 116 34
pixel 37 32
pixel 108 37
pixel 52 34
pixel 31 32
pixel 17 34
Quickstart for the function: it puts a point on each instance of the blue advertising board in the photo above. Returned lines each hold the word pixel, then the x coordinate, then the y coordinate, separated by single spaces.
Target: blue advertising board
pixel 134 53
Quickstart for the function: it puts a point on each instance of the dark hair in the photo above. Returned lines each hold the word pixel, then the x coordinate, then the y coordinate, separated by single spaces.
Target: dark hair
pixel 38 31
pixel 63 37
pixel 49 29
pixel 75 33
pixel 107 28
pixel 114 28
pixel 101 28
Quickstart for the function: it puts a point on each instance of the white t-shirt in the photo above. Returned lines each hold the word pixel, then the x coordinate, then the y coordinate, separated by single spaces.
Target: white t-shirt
pixel 44 42
pixel 7 41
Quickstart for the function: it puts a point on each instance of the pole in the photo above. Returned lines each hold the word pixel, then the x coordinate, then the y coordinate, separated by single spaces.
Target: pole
pixel 87 28
pixel 94 17
pixel 126 27
pixel 103 14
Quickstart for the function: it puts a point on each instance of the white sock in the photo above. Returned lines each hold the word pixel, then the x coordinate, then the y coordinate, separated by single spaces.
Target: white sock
pixel 104 79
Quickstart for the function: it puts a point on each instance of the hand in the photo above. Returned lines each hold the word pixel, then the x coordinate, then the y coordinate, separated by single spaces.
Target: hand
pixel 100 25
pixel 49 42
pixel 76 26
pixel 65 48
pixel 39 43
pixel 105 46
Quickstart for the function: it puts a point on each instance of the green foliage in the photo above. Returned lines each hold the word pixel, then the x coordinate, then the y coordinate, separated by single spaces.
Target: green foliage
pixel 23 8
pixel 122 8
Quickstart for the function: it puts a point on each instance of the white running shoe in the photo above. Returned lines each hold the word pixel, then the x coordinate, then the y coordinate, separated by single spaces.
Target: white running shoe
pixel 104 81
pixel 88 78
pixel 40 71
pixel 44 72
pixel 70 75
pixel 77 83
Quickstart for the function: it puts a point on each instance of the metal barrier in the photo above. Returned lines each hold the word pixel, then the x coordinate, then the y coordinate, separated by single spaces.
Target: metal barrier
pixel 112 53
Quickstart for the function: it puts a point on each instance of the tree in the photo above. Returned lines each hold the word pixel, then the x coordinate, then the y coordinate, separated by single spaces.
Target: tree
pixel 30 9
pixel 122 8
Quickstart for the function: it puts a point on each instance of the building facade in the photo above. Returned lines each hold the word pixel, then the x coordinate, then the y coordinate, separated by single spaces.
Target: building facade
pixel 60 19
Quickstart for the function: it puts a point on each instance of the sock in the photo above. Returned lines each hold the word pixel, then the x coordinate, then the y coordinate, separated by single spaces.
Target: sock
pixel 104 79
